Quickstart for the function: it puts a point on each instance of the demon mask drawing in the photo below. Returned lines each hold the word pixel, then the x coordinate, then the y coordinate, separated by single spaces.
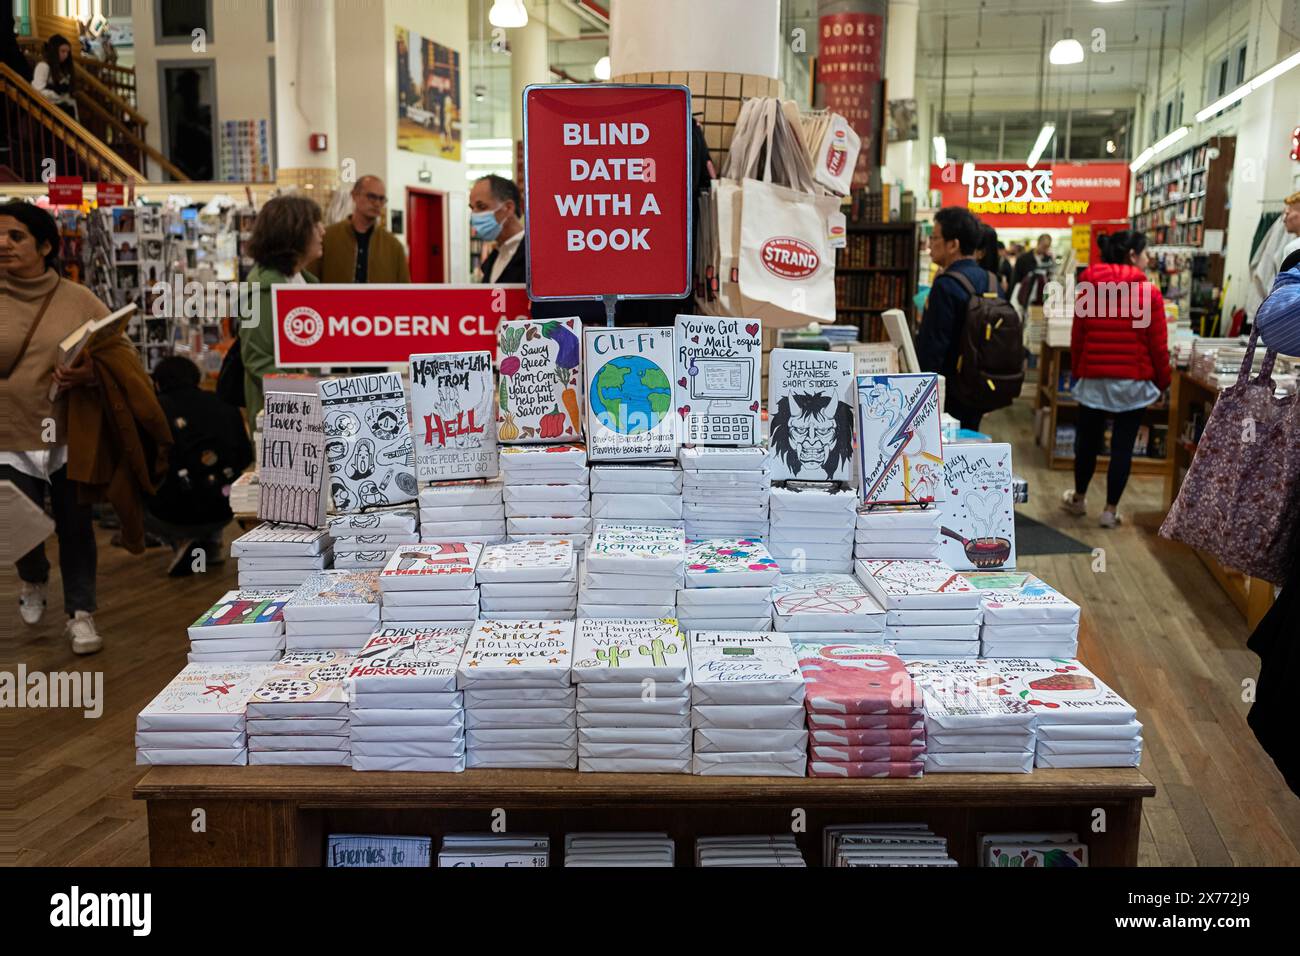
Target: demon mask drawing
pixel 816 434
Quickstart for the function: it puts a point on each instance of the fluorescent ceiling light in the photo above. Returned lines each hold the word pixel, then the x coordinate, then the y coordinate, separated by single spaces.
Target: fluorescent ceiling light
pixel 508 14
pixel 489 157
pixel 940 151
pixel 501 143
pixel 1250 86
pixel 1157 147
pixel 1066 51
pixel 1044 137
pixel 602 68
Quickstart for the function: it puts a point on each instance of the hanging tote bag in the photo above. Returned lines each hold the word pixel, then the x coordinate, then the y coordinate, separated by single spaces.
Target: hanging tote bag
pixel 753 129
pixel 786 269
pixel 1241 498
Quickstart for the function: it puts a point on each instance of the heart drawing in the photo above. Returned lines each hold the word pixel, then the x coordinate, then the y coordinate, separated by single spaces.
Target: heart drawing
pixel 683 410
pixel 752 328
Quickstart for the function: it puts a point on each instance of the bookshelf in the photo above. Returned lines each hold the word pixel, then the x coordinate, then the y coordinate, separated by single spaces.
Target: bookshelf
pixel 1175 202
pixel 875 271
pixel 1056 410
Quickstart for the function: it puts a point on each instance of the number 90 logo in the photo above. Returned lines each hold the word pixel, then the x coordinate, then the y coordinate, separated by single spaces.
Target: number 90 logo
pixel 303 326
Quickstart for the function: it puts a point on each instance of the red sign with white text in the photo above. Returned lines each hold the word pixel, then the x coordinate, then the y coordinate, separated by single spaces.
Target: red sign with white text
pixel 850 57
pixel 607 174
pixel 110 194
pixel 65 191
pixel 1051 195
pixel 379 325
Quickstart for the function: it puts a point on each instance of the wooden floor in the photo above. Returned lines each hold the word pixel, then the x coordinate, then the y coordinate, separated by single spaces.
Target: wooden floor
pixel 1164 635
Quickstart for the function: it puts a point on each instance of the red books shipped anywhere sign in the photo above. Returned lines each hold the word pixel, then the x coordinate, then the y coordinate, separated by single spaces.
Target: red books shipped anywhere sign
pixel 607 175
pixel 379 325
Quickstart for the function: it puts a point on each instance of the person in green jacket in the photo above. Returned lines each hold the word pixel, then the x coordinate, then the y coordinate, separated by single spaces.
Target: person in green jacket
pixel 286 236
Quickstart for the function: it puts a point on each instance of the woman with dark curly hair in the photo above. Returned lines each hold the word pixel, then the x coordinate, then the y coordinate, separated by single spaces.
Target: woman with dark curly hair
pixel 286 236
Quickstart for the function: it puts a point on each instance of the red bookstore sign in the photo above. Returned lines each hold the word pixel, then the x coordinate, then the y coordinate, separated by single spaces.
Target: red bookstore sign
pixel 65 191
pixel 850 54
pixel 110 194
pixel 379 325
pixel 1055 195
pixel 607 180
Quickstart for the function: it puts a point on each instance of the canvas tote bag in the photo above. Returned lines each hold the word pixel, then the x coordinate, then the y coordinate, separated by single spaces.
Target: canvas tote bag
pixel 750 136
pixel 786 267
pixel 1240 500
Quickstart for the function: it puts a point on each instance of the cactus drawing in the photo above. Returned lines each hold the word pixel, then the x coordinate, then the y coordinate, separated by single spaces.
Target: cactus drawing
pixel 656 651
pixel 613 655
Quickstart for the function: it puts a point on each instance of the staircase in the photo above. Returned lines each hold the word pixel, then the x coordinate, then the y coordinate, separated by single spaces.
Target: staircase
pixel 106 108
pixel 35 132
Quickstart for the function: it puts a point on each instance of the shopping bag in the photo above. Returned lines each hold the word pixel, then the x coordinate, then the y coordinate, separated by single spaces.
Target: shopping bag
pixel 1241 498
pixel 786 270
pixel 837 154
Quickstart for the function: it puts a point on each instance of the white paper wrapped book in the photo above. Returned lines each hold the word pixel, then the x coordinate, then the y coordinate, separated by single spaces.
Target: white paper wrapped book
pixel 900 441
pixel 916 584
pixel 717 367
pixel 433 566
pixel 453 404
pixel 527 561
pixel 368 442
pixel 737 668
pixel 204 697
pixel 251 613
pixel 410 659
pixel 633 549
pixel 518 651
pixel 810 399
pixel 334 596
pixel 629 650
pixel 979 527
pixel 825 602
pixel 630 393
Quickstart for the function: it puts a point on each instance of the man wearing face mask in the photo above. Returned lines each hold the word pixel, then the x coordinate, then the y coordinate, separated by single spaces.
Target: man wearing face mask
pixel 495 204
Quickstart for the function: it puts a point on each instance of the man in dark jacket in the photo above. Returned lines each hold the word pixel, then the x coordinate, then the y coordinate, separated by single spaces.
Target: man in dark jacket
pixel 1033 270
pixel 212 449
pixel 952 247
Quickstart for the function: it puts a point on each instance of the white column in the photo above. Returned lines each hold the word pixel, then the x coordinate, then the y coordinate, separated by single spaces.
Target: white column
pixel 720 36
pixel 305 100
pixel 900 79
pixel 529 63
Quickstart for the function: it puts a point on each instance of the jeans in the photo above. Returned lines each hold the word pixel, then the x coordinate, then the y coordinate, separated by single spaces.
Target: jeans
pixel 1087 445
pixel 72 522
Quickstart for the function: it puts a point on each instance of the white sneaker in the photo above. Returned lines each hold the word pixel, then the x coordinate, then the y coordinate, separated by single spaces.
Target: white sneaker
pixel 1110 519
pixel 1074 504
pixel 31 603
pixel 81 630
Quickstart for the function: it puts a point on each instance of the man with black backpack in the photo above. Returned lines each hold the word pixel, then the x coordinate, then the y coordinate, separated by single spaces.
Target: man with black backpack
pixel 969 334
pixel 212 449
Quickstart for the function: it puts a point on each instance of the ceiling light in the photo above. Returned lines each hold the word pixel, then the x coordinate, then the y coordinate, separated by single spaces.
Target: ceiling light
pixel 1066 51
pixel 1241 92
pixel 1156 147
pixel 940 151
pixel 1044 137
pixel 508 14
pixel 602 68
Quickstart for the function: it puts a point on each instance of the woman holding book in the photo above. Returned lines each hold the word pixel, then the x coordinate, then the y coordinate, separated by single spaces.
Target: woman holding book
pixel 287 234
pixel 41 310
pixel 1119 359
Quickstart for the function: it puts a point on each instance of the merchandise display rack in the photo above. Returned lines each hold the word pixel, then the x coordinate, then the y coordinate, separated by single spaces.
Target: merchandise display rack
pixel 282 816
pixel 1057 408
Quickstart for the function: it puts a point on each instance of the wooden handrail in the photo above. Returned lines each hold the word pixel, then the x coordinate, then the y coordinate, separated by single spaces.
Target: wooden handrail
pixel 163 162
pixel 86 145
pixel 93 82
pixel 90 67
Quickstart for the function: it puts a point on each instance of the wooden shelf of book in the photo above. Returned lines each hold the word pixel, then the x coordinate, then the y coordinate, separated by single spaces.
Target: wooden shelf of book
pixel 1052 362
pixel 1193 397
pixel 875 271
pixel 282 816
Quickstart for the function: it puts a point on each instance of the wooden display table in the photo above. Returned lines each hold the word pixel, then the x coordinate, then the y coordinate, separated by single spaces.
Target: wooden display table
pixel 281 816
pixel 1056 408
pixel 1252 596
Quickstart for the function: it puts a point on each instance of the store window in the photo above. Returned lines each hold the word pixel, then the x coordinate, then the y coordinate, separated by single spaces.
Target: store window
pixel 1227 73
pixel 189 112
pixel 176 20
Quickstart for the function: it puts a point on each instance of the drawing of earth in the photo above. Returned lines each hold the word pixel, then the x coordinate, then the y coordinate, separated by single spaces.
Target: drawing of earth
pixel 630 394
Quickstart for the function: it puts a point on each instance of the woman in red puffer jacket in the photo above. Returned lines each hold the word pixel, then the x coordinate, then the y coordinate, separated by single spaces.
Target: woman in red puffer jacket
pixel 1119 358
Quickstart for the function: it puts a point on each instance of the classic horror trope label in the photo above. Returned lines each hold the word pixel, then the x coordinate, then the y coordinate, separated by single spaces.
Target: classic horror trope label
pixel 717 365
pixel 810 401
pixel 367 442
pixel 453 408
